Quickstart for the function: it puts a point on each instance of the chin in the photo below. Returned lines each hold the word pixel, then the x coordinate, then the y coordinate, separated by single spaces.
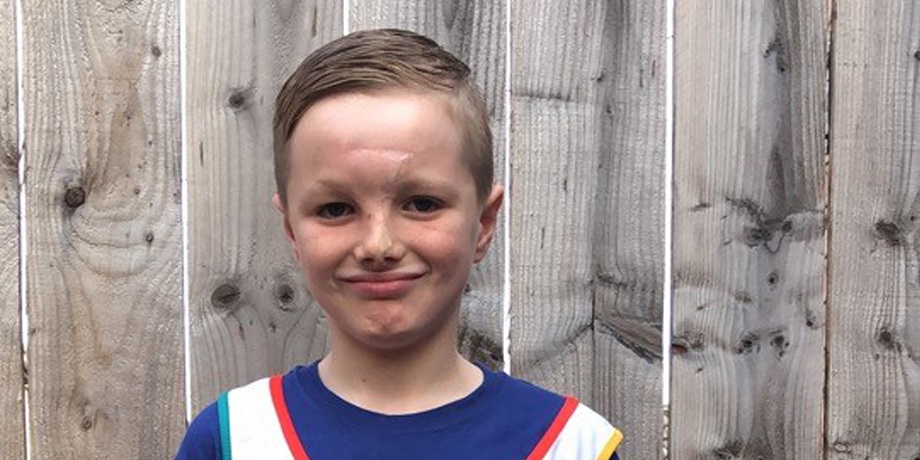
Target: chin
pixel 388 329
pixel 394 339
pixel 390 338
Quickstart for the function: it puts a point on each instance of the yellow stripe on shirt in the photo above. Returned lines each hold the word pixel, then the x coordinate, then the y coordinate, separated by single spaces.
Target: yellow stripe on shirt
pixel 611 445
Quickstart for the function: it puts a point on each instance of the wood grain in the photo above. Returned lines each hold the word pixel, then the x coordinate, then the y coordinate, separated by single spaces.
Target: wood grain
pixel 12 431
pixel 250 313
pixel 748 248
pixel 587 223
pixel 475 31
pixel 101 129
pixel 874 299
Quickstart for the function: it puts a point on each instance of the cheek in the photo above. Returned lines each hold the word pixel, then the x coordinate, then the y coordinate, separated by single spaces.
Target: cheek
pixel 317 250
pixel 449 244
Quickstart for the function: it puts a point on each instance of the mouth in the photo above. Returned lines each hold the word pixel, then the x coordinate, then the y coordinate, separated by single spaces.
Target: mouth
pixel 384 285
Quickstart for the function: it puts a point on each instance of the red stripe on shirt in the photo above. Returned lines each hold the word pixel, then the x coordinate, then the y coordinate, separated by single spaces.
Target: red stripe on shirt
pixel 287 427
pixel 568 408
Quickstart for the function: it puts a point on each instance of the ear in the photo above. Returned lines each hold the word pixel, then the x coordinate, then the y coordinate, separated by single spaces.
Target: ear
pixel 288 230
pixel 488 220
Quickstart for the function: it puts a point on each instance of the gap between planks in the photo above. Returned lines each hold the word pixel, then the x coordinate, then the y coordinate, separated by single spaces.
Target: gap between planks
pixel 668 228
pixel 23 232
pixel 506 221
pixel 183 185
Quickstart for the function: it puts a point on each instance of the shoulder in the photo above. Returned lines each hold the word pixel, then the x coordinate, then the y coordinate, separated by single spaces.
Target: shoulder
pixel 576 430
pixel 580 430
pixel 515 391
pixel 515 405
pixel 202 439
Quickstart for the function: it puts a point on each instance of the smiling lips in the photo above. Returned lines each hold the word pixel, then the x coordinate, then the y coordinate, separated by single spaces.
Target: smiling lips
pixel 383 285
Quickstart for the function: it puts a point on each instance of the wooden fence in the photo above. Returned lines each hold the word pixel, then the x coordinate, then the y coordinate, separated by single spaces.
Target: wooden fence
pixel 793 263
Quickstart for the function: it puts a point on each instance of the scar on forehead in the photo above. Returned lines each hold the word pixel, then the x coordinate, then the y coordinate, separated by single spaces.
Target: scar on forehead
pixel 400 159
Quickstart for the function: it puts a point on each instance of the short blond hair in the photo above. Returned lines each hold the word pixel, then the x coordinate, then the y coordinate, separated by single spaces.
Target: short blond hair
pixel 374 60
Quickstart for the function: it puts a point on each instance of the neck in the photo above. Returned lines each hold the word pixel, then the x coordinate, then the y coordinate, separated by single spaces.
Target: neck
pixel 400 381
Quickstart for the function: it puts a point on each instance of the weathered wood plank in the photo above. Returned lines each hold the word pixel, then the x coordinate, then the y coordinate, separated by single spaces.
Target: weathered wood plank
pixel 475 31
pixel 12 431
pixel 101 101
pixel 628 238
pixel 587 223
pixel 250 313
pixel 749 239
pixel 874 299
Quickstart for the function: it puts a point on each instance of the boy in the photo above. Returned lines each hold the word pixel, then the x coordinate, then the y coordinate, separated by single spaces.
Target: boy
pixel 383 163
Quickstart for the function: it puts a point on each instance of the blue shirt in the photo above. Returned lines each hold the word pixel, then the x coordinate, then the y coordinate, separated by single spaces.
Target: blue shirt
pixel 503 419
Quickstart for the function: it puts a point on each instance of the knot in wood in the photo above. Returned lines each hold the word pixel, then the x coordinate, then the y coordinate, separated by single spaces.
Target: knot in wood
pixel 678 349
pixel 10 158
pixel 285 294
pixel 730 450
pixel 156 51
pixel 780 344
pixel 810 320
pixel 87 423
pixel 687 342
pixel 887 340
pixel 772 279
pixel 755 236
pixel 743 297
pixel 225 296
pixel 888 232
pixel 841 447
pixel 700 206
pixel 74 196
pixel 748 344
pixel 239 99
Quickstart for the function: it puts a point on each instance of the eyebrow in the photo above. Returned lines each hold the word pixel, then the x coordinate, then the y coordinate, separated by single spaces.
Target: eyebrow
pixel 446 189
pixel 424 182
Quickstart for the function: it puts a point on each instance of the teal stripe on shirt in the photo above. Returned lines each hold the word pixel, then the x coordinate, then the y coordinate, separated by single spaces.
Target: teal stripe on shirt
pixel 223 413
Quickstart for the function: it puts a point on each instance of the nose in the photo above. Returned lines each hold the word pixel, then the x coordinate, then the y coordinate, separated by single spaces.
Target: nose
pixel 378 245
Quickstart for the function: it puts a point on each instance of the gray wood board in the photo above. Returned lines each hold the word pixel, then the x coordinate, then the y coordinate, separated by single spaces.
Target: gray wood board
pixel 102 139
pixel 12 431
pixel 475 31
pixel 587 202
pixel 251 315
pixel 874 297
pixel 749 239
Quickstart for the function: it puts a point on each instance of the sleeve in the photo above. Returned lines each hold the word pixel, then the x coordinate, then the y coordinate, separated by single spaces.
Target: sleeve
pixel 614 456
pixel 202 439
pixel 581 433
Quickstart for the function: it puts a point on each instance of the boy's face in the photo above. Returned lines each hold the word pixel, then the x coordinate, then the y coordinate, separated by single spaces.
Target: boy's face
pixel 383 216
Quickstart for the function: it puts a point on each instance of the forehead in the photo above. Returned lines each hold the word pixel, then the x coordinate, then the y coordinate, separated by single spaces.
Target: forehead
pixel 420 126
pixel 378 119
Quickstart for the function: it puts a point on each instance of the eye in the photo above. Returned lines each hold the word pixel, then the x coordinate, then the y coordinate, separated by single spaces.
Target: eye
pixel 423 204
pixel 334 210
